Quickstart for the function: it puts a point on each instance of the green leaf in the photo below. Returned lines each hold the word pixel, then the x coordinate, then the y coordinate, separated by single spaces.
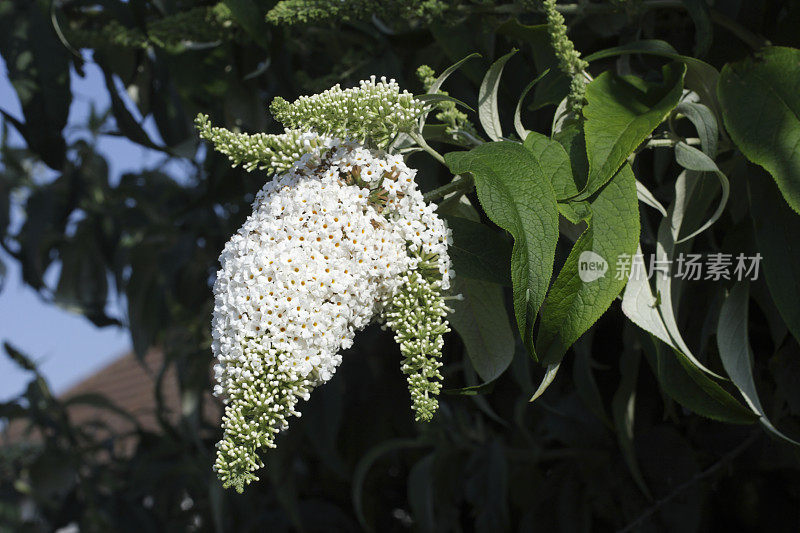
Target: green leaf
pixel 620 114
pixel 700 76
pixel 482 323
pixel 737 356
pixel 478 252
pixel 22 360
pixel 777 230
pixel 547 379
pixel 520 129
pixel 517 196
pixel 38 68
pixel 435 99
pixel 693 159
pixel 578 298
pixel 448 71
pixel 668 236
pixel 691 388
pixel 700 13
pixel 647 198
pixel 554 85
pixel 488 113
pixel 704 122
pixel 623 409
pixel 766 129
pixel 555 163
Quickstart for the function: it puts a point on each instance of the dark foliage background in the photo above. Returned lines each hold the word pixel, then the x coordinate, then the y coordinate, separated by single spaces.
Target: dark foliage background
pixel 488 462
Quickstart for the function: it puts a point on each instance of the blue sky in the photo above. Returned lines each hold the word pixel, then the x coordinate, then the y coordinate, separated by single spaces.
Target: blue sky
pixel 67 346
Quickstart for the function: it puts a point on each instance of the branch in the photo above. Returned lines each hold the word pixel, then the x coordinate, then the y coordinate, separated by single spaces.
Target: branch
pixel 462 185
pixel 728 457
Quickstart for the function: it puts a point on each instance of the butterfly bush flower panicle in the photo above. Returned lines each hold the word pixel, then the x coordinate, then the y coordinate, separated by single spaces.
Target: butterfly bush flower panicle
pixel 260 151
pixel 373 112
pixel 340 239
pixel 569 59
pixel 416 315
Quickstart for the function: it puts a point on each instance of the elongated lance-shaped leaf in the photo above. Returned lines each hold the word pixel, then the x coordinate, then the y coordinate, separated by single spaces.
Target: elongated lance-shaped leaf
pixel 520 129
pixel 737 356
pixel 554 162
pixel 434 99
pixel 623 408
pixel 690 387
pixel 436 85
pixel 693 159
pixel 702 118
pixel 593 274
pixel 517 196
pixel 547 379
pixel 647 198
pixel 620 113
pixel 668 233
pixel 488 113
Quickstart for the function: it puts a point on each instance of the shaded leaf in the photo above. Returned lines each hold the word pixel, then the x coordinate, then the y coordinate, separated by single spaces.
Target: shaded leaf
pixel 700 76
pixel 737 357
pixel 482 323
pixel 777 231
pixel 766 129
pixel 478 252
pixel 38 68
pixel 691 388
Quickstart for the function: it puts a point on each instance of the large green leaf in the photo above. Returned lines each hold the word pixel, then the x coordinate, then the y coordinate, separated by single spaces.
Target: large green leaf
pixel 555 163
pixel 691 388
pixel 478 252
pixel 482 323
pixel 737 356
pixel 766 128
pixel 777 231
pixel 517 196
pixel 700 76
pixel 620 113
pixel 580 296
pixel 38 68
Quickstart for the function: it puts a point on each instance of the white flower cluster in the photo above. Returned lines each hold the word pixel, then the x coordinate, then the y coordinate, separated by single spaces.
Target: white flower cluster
pixel 327 247
pixel 376 110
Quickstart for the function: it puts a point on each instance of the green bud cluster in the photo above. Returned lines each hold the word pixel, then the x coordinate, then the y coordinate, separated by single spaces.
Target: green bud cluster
pixel 373 112
pixel 290 12
pixel 416 315
pixel 254 415
pixel 569 59
pixel 262 151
